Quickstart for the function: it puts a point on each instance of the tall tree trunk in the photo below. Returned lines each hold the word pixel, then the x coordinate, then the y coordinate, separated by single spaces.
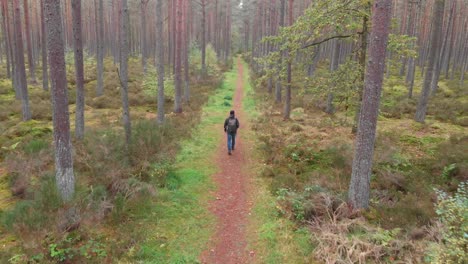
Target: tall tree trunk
pixel 160 61
pixel 412 60
pixel 441 53
pixel 45 76
pixel 79 69
pixel 203 36
pixel 186 40
pixel 124 70
pixel 100 48
pixel 144 44
pixel 362 63
pixel 175 18
pixel 21 80
pixel 287 103
pixel 227 40
pixel 6 35
pixel 61 118
pixel 278 87
pixel 433 54
pixel 178 59
pixel 359 187
pixel 447 58
pixel 28 42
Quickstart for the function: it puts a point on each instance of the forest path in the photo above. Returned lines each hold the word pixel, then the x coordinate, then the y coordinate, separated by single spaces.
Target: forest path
pixel 232 206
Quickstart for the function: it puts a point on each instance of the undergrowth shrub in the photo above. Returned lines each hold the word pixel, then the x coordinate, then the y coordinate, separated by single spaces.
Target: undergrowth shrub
pixel 34 213
pixel 452 151
pixel 211 60
pixel 453 214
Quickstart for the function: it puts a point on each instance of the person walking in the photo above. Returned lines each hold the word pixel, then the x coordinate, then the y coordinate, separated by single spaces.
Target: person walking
pixel 231 124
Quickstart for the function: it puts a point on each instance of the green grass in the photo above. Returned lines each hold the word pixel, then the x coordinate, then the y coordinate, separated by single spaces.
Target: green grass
pixel 274 238
pixel 180 225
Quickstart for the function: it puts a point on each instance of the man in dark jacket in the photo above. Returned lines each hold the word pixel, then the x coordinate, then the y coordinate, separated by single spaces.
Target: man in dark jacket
pixel 230 127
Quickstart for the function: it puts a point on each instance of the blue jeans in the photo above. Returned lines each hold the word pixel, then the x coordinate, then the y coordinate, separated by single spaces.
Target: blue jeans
pixel 231 141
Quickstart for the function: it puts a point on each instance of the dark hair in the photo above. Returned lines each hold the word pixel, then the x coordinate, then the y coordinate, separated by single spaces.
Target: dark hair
pixel 232 112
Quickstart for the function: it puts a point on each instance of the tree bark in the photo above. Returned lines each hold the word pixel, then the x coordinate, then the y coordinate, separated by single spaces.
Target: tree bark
pixel 6 35
pixel 61 118
pixel 124 70
pixel 160 61
pixel 433 54
pixel 45 76
pixel 28 42
pixel 278 87
pixel 362 63
pixel 178 60
pixel 79 68
pixel 359 187
pixel 186 41
pixel 144 43
pixel 100 48
pixel 203 37
pixel 287 103
pixel 21 80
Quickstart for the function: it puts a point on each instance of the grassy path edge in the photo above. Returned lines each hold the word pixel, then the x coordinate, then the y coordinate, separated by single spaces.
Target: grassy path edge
pixel 180 224
pixel 273 239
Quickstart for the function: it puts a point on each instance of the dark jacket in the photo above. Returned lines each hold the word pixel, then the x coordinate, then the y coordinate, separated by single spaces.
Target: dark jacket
pixel 226 124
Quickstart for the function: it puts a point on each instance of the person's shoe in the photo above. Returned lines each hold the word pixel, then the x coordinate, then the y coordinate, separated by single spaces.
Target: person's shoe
pixel 232 148
pixel 229 153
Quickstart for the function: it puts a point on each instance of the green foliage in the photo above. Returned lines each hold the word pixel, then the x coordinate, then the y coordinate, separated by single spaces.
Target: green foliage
pixel 320 20
pixel 35 146
pixel 453 213
pixel 74 246
pixel 211 60
pixel 448 171
pixel 150 84
pixel 345 83
pixel 34 214
pixel 402 46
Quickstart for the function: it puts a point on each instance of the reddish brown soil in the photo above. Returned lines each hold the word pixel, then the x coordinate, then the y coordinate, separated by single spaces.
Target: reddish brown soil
pixel 231 206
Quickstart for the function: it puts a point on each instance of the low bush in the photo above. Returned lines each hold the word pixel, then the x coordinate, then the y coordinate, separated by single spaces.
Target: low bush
pixel 453 214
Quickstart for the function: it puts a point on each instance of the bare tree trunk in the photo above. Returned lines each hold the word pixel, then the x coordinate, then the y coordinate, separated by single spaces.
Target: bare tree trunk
pixel 178 60
pixel 433 54
pixel 100 48
pixel 359 187
pixel 441 53
pixel 61 118
pixel 45 76
pixel 124 70
pixel 362 63
pixel 144 44
pixel 203 36
pixel 287 103
pixel 160 61
pixel 21 80
pixel 6 35
pixel 280 62
pixel 79 69
pixel 186 40
pixel 28 42
pixel 14 56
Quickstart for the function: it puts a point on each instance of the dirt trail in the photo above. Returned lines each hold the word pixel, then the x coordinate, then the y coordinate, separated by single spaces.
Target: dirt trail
pixel 231 207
